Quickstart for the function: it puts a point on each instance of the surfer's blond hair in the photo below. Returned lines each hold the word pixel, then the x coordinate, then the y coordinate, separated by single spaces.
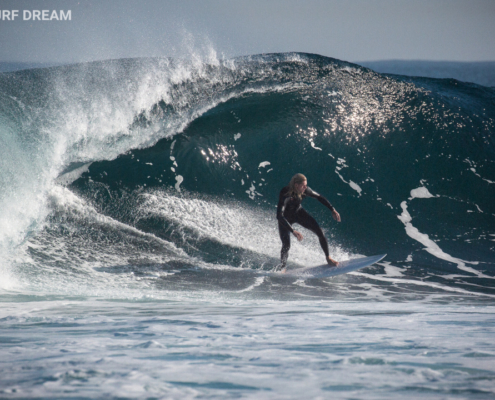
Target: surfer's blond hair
pixel 297 179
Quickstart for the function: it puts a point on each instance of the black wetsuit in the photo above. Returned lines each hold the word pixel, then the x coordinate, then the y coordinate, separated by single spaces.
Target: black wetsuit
pixel 289 211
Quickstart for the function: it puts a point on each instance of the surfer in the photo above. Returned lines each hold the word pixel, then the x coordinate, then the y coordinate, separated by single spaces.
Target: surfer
pixel 289 211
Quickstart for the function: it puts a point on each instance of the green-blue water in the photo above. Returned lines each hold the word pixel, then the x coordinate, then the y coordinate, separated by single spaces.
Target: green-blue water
pixel 138 206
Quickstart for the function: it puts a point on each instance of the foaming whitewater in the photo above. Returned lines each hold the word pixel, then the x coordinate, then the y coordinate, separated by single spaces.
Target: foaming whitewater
pixel 60 120
pixel 137 227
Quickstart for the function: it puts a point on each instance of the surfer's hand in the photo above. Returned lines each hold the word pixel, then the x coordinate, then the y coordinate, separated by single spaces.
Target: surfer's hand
pixel 298 235
pixel 336 215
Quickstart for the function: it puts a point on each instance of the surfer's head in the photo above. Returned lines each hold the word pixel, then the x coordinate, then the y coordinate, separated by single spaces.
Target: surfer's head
pixel 298 185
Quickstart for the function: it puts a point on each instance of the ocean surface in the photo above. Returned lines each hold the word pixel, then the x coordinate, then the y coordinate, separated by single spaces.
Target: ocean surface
pixel 481 72
pixel 137 223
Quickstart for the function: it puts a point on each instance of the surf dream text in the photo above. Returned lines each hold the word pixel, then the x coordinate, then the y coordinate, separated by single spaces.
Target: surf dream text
pixel 36 15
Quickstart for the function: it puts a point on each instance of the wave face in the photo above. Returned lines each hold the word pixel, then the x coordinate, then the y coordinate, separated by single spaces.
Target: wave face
pixel 163 175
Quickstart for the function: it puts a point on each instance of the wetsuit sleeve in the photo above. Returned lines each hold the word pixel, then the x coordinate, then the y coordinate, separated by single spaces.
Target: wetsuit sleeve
pixel 282 202
pixel 311 193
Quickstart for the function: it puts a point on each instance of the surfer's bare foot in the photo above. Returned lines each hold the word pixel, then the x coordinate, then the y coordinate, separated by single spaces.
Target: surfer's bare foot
pixel 332 262
pixel 280 268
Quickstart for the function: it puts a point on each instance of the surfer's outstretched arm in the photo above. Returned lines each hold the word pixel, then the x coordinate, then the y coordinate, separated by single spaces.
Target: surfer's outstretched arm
pixel 311 193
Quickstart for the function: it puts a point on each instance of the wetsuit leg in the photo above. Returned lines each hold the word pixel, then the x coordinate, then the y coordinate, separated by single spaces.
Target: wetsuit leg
pixel 285 237
pixel 308 222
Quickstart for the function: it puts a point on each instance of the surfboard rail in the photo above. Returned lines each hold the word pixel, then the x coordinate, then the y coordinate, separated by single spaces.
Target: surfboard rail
pixel 326 271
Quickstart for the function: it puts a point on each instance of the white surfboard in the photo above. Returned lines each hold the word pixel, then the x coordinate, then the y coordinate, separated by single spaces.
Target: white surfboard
pixel 325 271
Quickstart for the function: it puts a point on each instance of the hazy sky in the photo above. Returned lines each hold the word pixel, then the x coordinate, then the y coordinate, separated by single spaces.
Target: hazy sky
pixel 352 30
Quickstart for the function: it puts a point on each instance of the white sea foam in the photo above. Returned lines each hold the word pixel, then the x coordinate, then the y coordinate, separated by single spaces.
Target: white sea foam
pixel 355 186
pixel 223 348
pixel 342 164
pixel 437 286
pixel 258 281
pixel 179 179
pixel 391 270
pixel 421 193
pixel 432 247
